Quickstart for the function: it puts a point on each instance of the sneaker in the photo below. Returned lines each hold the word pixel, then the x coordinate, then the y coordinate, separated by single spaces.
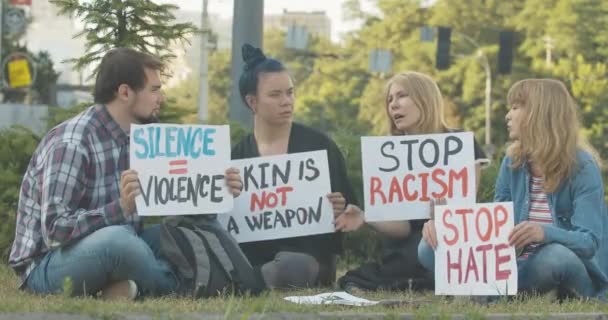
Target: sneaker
pixel 120 290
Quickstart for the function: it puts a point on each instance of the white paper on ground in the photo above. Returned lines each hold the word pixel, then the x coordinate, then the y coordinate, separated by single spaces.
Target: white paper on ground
pixel 339 297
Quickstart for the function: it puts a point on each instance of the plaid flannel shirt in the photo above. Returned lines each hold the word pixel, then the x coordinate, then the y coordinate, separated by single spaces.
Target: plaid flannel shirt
pixel 71 187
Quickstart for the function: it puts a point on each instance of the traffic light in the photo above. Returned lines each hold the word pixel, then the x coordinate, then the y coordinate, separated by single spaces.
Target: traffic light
pixel 505 52
pixel 442 59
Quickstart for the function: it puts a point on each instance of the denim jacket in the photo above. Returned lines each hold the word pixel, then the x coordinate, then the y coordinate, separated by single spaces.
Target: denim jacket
pixel 580 217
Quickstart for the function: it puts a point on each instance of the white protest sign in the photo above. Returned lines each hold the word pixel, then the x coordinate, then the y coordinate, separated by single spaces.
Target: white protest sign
pixel 283 196
pixel 473 256
pixel 181 168
pixel 401 174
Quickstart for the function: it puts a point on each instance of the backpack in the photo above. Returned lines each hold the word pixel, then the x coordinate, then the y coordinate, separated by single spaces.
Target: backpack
pixel 206 258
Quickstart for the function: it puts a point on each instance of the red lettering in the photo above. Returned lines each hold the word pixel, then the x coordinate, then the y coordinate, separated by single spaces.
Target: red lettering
pixel 271 200
pixel 425 186
pixel 501 274
pixel 451 227
pixel 484 248
pixel 463 213
pixel 486 236
pixel 455 265
pixel 438 175
pixel 471 266
pixel 500 222
pixel 376 188
pixel 409 196
pixel 283 192
pixel 395 189
pixel 462 175
pixel 256 199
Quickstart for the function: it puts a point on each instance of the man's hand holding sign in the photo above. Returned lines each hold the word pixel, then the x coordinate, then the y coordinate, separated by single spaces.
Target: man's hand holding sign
pixel 180 170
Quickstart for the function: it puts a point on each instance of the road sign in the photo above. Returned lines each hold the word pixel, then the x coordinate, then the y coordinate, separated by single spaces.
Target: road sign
pixel 14 21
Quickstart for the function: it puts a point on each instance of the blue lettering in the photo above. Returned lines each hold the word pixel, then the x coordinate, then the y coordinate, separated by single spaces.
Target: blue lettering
pixel 170 137
pixel 193 143
pixel 153 152
pixel 183 141
pixel 207 140
pixel 157 142
pixel 137 138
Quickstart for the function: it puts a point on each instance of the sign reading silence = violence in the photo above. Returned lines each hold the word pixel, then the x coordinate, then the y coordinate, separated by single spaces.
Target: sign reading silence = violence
pixel 181 168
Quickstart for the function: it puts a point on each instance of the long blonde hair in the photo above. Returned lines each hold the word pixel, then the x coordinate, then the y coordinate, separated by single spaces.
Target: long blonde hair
pixel 549 131
pixel 425 94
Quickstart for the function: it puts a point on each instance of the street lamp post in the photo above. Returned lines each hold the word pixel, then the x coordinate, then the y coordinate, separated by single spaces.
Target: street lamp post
pixel 203 86
pixel 488 93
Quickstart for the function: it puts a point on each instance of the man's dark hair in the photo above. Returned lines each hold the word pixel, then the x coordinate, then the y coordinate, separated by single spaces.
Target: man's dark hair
pixel 255 63
pixel 122 66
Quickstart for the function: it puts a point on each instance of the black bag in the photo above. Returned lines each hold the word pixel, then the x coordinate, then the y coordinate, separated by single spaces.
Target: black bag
pixel 206 258
pixel 372 276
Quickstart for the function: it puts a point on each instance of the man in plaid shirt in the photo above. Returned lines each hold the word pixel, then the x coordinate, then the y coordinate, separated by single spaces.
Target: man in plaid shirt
pixel 76 217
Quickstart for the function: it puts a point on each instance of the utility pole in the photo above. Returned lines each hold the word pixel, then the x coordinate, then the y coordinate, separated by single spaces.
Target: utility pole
pixel 489 147
pixel 203 87
pixel 247 25
pixel 549 45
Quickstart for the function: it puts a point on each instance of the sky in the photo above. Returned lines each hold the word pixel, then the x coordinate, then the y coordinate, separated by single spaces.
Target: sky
pixel 333 9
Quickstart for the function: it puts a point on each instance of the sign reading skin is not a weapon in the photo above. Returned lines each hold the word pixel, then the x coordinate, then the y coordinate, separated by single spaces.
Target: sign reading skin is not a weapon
pixel 181 168
pixel 402 174
pixel 473 255
pixel 283 196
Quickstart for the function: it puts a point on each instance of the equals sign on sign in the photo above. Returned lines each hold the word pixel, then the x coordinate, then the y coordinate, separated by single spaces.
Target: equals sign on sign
pixel 178 167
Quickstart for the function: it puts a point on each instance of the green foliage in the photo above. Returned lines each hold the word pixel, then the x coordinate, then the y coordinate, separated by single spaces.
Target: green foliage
pixel 16 146
pixel 139 24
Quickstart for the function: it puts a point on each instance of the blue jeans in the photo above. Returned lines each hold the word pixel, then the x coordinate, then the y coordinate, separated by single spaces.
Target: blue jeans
pixel 552 266
pixel 109 254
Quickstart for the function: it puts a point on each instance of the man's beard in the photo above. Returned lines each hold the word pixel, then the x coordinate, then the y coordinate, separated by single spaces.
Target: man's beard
pixel 148 120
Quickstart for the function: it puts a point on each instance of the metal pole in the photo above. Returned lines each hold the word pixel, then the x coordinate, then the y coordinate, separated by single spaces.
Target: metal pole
pixel 489 148
pixel 247 23
pixel 1 38
pixel 488 104
pixel 203 87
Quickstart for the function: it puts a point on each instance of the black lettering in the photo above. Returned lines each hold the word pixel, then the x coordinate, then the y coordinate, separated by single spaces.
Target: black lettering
pixel 216 188
pixel 310 165
pixel 181 187
pixel 248 177
pixel 232 226
pixel 315 216
pixel 276 171
pixel 409 144
pixel 263 167
pixel 267 220
pixel 290 215
pixel 301 215
pixel 254 222
pixel 383 152
pixel 450 151
pixel 435 153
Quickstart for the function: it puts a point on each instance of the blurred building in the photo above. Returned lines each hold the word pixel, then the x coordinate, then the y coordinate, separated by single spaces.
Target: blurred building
pixel 315 22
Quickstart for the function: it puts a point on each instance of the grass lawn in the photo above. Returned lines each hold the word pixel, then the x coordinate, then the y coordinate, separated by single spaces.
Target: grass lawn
pixel 13 300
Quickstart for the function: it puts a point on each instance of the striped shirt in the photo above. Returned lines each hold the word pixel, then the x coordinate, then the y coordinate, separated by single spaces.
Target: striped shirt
pixel 539 211
pixel 71 187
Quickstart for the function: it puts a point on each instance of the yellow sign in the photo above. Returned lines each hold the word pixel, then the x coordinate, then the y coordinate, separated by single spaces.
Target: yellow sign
pixel 19 73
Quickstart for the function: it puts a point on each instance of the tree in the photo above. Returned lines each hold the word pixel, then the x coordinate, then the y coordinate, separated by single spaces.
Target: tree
pixel 139 24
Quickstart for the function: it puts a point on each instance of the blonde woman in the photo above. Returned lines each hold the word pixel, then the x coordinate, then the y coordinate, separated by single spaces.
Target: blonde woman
pixel 413 105
pixel 552 175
